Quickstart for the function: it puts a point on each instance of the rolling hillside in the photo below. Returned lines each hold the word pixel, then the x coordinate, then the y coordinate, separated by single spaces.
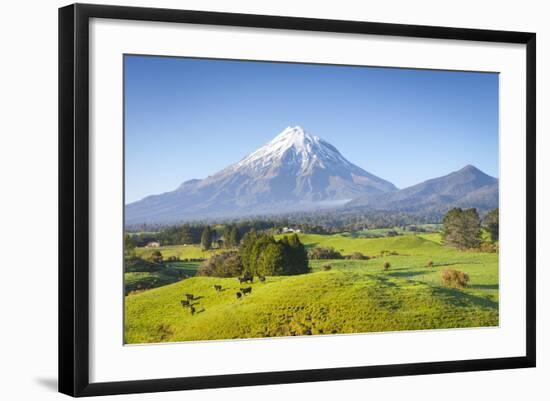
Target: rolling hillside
pixel 354 296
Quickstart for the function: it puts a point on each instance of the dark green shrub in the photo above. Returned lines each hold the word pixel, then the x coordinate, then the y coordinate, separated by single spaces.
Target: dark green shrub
pixel 156 257
pixel 324 253
pixel 358 256
pixel 227 264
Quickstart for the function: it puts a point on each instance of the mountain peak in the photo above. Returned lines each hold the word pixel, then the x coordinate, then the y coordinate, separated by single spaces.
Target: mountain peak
pixel 473 171
pixel 295 136
pixel 294 171
pixel 469 167
pixel 292 140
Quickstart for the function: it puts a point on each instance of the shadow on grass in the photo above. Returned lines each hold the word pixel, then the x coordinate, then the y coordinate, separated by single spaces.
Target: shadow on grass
pixel 457 297
pixel 484 286
pixel 455 263
pixel 407 274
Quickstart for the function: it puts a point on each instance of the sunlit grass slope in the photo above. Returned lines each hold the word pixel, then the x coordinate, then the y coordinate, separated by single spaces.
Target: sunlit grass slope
pixel 354 296
pixel 180 251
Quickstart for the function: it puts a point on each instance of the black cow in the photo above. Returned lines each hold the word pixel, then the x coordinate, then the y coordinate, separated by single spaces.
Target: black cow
pixel 261 278
pixel 247 290
pixel 218 287
pixel 246 278
pixel 192 310
pixel 185 303
pixel 238 295
pixel 189 297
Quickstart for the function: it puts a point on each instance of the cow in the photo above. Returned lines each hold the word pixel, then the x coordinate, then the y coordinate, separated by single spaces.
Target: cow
pixel 192 310
pixel 246 278
pixel 261 278
pixel 238 295
pixel 218 287
pixel 189 297
pixel 247 290
pixel 185 303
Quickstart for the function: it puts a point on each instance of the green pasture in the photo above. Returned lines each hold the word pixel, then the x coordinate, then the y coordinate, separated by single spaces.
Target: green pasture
pixel 179 251
pixel 354 296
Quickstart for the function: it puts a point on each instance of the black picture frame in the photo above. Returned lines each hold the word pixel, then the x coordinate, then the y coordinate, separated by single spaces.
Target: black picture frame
pixel 74 198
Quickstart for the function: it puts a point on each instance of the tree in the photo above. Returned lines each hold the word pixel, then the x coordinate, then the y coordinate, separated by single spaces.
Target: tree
pixel 156 257
pixel 234 237
pixel 206 238
pixel 258 248
pixel 462 228
pixel 129 246
pixel 491 224
pixel 296 255
pixel 246 250
pixel 272 260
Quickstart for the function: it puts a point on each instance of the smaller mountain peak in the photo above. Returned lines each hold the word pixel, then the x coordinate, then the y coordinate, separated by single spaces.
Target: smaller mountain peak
pixel 469 168
pixel 472 171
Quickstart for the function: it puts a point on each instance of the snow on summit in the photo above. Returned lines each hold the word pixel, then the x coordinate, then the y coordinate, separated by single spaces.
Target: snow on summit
pixel 295 145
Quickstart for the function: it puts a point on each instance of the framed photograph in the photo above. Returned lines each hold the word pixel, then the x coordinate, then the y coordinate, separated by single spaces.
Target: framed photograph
pixel 251 199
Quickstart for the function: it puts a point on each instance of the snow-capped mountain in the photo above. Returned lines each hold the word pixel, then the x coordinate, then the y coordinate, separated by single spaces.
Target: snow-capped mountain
pixel 294 171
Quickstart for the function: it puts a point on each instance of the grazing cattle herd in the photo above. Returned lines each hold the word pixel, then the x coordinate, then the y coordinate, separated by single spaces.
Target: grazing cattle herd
pixel 247 278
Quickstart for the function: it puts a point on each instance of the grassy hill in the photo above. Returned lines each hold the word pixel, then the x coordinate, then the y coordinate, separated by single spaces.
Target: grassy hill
pixel 354 296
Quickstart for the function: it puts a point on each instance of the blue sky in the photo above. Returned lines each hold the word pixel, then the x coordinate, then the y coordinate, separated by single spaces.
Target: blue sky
pixel 189 118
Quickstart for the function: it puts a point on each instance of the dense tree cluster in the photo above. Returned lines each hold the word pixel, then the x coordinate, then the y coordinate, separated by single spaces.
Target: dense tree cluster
pixel 227 264
pixel 262 255
pixel 462 228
